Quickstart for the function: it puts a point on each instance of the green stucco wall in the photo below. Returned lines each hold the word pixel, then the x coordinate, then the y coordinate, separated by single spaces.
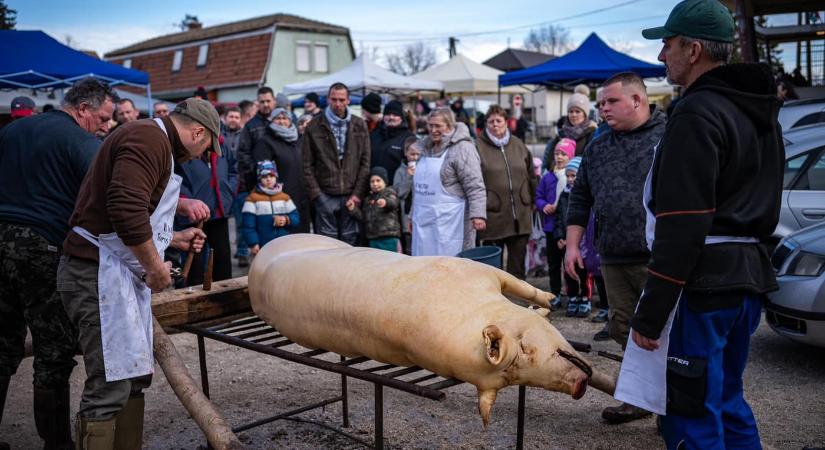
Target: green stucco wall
pixel 282 69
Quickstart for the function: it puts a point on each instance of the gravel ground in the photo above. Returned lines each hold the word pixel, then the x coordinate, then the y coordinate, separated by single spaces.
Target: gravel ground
pixel 783 384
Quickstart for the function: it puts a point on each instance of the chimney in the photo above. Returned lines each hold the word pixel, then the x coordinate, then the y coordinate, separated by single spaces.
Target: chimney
pixel 194 25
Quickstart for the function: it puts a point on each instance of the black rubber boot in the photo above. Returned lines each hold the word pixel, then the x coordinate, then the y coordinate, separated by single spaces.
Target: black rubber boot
pixel 51 417
pixel 4 388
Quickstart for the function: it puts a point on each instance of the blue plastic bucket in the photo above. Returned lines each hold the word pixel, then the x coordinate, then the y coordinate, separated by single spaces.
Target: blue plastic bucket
pixel 487 254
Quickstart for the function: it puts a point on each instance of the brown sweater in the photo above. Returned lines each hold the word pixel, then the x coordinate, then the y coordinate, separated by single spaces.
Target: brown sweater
pixel 124 185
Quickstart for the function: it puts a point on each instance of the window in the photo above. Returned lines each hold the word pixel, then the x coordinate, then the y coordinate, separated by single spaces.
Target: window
pixel 816 117
pixel 792 167
pixel 127 63
pixel 177 60
pixel 321 52
pixel 816 175
pixel 812 178
pixel 203 50
pixel 302 57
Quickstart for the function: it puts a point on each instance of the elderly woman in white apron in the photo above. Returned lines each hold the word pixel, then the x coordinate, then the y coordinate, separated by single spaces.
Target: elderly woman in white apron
pixel 450 202
pixel 110 300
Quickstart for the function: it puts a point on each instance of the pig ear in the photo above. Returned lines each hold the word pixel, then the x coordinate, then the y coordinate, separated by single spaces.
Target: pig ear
pixel 494 344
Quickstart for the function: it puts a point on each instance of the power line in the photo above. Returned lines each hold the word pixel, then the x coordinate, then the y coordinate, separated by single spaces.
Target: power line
pixel 600 24
pixel 505 30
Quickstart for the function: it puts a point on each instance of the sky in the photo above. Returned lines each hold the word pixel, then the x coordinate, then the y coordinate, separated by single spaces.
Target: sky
pixel 484 28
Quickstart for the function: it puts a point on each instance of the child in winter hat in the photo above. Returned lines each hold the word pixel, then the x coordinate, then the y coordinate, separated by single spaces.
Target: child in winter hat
pixel 268 211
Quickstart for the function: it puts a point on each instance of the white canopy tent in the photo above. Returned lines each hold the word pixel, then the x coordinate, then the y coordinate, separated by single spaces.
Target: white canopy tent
pixel 462 75
pixel 363 75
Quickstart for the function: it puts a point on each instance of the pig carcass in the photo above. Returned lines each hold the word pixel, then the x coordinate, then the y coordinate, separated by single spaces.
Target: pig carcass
pixel 445 314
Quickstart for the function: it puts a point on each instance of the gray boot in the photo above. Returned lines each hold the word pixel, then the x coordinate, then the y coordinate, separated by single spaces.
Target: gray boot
pixel 51 417
pixel 129 428
pixel 95 434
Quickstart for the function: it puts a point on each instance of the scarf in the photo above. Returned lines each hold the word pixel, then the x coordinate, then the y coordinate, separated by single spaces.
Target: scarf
pixel 575 131
pixel 288 134
pixel 339 129
pixel 499 142
pixel 561 183
pixel 276 190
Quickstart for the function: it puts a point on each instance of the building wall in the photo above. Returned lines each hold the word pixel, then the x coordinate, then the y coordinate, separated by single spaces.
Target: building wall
pixel 232 61
pixel 282 67
pixel 235 95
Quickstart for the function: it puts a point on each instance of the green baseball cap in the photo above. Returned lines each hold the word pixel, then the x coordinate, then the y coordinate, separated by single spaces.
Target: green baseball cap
pixel 698 19
pixel 204 113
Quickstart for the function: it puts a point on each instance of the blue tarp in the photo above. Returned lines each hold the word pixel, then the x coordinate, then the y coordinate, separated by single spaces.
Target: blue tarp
pixel 33 59
pixel 592 62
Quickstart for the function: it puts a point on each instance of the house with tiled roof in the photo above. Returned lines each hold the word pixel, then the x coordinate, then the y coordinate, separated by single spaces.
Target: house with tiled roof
pixel 232 60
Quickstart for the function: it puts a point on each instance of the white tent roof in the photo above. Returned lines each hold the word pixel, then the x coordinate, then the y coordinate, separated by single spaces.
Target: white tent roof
pixel 363 74
pixel 463 75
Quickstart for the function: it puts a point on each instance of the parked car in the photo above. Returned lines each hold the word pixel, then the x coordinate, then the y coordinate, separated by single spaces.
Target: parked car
pixel 798 113
pixel 797 309
pixel 803 195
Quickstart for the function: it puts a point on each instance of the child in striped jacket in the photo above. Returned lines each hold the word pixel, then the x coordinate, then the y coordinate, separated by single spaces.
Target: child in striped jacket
pixel 268 212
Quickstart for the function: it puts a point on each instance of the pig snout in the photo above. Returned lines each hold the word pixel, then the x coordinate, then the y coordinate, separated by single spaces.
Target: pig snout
pixel 579 374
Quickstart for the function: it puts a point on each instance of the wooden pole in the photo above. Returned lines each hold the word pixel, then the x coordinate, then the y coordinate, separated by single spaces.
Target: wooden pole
pixel 207 278
pixel 217 431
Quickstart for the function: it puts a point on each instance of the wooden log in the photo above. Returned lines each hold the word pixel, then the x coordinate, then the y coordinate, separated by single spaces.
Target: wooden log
pixel 217 431
pixel 189 257
pixel 207 278
pixel 189 305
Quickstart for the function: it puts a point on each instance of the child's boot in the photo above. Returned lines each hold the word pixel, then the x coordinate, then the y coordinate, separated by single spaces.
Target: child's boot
pixel 572 306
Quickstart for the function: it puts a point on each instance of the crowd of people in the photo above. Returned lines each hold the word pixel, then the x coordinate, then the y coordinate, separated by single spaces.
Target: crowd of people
pixel 663 212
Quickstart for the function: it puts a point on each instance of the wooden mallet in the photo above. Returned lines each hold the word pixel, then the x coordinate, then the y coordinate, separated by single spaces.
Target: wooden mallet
pixel 189 257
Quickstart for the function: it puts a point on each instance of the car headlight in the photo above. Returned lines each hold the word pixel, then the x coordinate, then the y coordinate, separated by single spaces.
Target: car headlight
pixel 806 264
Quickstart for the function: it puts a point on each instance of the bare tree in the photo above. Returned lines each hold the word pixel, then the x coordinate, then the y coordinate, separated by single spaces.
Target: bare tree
pixel 621 46
pixel 551 39
pixel 8 17
pixel 411 59
pixel 69 40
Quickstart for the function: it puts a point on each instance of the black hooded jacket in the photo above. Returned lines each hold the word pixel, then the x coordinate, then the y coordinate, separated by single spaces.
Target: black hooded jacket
pixel 717 172
pixel 387 146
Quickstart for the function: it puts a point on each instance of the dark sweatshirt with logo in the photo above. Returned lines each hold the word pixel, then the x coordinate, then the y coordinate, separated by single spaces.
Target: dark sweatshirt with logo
pixel 717 172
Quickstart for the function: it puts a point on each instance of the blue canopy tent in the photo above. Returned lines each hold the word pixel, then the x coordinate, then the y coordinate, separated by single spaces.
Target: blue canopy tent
pixel 35 60
pixel 593 62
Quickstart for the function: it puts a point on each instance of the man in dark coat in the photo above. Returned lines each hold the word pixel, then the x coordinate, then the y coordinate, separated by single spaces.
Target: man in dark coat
pixel 387 140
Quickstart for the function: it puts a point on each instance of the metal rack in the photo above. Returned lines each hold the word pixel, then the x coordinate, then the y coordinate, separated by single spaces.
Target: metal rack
pixel 254 334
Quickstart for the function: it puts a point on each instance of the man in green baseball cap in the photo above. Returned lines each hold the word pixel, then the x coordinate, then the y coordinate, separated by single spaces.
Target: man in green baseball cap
pixel 713 196
pixel 694 22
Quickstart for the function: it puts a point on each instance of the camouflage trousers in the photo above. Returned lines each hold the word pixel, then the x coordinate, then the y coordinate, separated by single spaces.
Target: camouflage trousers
pixel 28 272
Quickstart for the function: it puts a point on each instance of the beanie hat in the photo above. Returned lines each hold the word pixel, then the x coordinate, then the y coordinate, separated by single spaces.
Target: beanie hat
pixel 281 100
pixel 277 112
pixel 201 92
pixel 579 101
pixel 379 171
pixel 394 107
pixel 313 97
pixel 267 167
pixel 371 103
pixel 574 164
pixel 582 89
pixel 22 106
pixel 568 146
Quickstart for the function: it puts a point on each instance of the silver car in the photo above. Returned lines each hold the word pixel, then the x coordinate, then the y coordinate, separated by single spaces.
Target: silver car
pixel 799 113
pixel 797 309
pixel 803 197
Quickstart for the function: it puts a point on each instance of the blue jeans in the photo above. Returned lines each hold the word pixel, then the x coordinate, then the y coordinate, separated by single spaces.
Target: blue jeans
pixel 723 338
pixel 237 209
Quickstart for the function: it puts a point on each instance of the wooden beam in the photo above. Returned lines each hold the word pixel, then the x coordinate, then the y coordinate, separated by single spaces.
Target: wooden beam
pixel 193 304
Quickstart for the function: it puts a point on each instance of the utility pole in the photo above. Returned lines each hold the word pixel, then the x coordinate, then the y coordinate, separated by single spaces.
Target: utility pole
pixel 452 51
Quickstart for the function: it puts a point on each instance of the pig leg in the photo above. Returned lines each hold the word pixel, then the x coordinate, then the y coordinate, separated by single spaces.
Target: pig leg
pixel 511 285
pixel 486 399
pixel 603 382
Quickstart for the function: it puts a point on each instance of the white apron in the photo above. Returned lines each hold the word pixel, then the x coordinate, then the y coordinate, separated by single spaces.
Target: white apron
pixel 643 376
pixel 437 215
pixel 125 301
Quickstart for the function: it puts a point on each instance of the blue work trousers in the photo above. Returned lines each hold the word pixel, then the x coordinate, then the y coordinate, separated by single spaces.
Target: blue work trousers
pixel 723 338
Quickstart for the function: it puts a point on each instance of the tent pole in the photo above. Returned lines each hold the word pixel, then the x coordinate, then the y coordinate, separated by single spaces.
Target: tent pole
pixel 149 97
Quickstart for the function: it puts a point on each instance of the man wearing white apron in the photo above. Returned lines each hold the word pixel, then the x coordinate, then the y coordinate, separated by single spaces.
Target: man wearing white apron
pixel 713 194
pixel 121 225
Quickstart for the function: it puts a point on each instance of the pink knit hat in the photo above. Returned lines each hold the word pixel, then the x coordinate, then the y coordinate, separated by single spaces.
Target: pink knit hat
pixel 567 146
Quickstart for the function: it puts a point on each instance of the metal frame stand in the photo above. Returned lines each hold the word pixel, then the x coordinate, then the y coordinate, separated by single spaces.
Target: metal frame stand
pixel 251 333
